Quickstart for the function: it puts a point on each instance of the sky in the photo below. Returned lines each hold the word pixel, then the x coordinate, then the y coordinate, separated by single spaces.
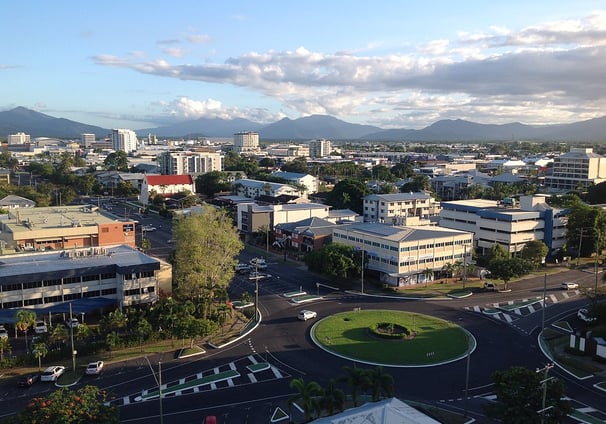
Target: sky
pixel 391 64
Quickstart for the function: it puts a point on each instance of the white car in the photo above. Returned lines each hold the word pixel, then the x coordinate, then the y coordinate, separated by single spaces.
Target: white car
pixel 567 285
pixel 258 263
pixel 52 373
pixel 259 276
pixel 149 228
pixel 304 315
pixel 583 315
pixel 40 327
pixel 94 368
pixel 72 323
pixel 3 332
pixel 490 286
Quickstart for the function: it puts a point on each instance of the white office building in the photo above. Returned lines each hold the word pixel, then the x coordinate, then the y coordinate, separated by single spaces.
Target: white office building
pixel 319 148
pixel 87 140
pixel 246 142
pixel 19 138
pixel 123 139
pixel 192 163
pixel 579 168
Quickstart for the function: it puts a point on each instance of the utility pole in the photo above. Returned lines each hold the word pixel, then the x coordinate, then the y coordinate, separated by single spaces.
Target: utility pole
pixel 71 334
pixel 544 384
pixel 362 273
pixel 544 296
pixel 580 243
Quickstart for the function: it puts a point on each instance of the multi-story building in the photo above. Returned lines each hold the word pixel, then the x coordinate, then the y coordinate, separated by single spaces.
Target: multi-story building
pixel 510 226
pixel 166 185
pixel 19 138
pixel 246 142
pixel 579 168
pixel 123 139
pixel 390 208
pixel 251 216
pixel 306 180
pixel 38 280
pixel 255 188
pixel 319 148
pixel 87 140
pixel 192 163
pixel 63 227
pixel 401 256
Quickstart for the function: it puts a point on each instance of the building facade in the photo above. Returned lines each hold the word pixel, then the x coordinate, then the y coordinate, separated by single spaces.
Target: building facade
pixel 19 138
pixel 402 255
pixel 166 185
pixel 256 188
pixel 246 142
pixel 192 163
pixel 389 208
pixel 87 140
pixel 251 216
pixel 511 227
pixel 577 169
pixel 319 148
pixel 123 139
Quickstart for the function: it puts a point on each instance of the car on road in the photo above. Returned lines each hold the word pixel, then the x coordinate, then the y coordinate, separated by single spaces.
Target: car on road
pixel 52 373
pixel 72 323
pixel 28 380
pixel 567 285
pixel 149 228
pixel 242 268
pixel 40 327
pixel 583 315
pixel 259 276
pixel 490 286
pixel 94 368
pixel 304 315
pixel 3 332
pixel 258 263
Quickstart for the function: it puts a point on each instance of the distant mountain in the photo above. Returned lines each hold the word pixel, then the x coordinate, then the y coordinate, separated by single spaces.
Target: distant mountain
pixel 37 124
pixel 314 127
pixel 203 127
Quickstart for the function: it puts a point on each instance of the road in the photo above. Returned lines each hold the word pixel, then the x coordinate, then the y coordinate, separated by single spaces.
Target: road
pixel 283 341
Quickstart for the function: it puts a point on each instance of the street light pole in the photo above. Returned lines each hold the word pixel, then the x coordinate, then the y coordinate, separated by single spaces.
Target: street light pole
pixel 71 334
pixel 158 382
pixel 362 272
pixel 544 296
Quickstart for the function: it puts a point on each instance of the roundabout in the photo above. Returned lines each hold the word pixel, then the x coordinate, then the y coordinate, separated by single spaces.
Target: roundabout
pixel 392 338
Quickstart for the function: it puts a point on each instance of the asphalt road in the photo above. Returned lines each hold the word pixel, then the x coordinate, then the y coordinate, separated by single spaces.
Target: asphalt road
pixel 283 341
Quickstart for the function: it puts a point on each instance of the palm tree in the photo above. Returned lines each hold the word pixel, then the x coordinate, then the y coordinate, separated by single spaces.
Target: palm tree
pixel 25 319
pixel 308 395
pixel 448 269
pixel 332 398
pixel 380 383
pixel 5 346
pixel 40 351
pixel 428 274
pixel 58 334
pixel 357 379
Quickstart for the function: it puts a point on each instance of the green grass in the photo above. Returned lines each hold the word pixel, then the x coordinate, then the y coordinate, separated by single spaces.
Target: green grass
pixel 348 334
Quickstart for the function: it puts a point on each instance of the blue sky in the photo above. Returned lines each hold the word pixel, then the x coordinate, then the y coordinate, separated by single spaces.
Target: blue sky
pixel 393 64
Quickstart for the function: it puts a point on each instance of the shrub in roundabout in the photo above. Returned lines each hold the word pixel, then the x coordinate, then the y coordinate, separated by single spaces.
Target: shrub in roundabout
pixel 430 340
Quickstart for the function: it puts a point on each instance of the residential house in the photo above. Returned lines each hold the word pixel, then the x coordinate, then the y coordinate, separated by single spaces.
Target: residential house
pixel 165 185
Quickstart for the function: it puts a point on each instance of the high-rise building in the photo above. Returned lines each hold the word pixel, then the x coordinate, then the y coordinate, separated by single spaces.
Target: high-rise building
pixel 245 142
pixel 123 139
pixel 192 163
pixel 87 139
pixel 319 148
pixel 577 169
pixel 19 138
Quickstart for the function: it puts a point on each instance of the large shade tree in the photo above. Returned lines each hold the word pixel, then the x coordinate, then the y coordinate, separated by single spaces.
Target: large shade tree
pixel 206 245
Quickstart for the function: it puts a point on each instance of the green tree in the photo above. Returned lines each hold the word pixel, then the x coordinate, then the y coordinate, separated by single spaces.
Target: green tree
pixel 357 380
pixel 143 330
pixel 297 165
pixel 5 346
pixel 267 163
pixel 348 194
pixel 335 260
pixel 333 398
pixel 58 333
pixel 308 395
pixel 116 161
pixel 207 244
pixel 212 182
pixel 40 351
pixel 381 383
pixel 403 170
pixel 26 318
pixel 83 406
pixel 506 269
pixel 534 252
pixel 520 398
pixel 497 251
pixel 586 229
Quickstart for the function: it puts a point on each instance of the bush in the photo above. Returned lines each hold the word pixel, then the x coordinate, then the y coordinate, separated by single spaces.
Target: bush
pixel 389 330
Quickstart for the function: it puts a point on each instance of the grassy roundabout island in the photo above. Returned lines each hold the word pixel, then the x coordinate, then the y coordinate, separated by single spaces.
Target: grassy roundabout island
pixel 392 338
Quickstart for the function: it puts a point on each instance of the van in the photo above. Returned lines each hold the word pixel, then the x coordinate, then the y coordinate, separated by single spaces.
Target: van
pixel 210 419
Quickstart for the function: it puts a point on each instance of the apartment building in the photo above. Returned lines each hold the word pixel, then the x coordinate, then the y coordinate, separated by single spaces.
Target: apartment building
pixel 246 142
pixel 320 148
pixel 390 208
pixel 192 163
pixel 309 181
pixel 255 188
pixel 19 138
pixel 401 256
pixel 579 168
pixel 511 226
pixel 124 139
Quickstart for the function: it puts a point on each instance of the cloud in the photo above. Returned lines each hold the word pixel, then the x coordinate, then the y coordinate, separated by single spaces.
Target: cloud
pixel 198 38
pixel 553 67
pixel 175 51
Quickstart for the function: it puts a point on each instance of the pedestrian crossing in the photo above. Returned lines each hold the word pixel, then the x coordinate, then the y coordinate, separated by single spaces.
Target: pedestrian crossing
pixel 513 310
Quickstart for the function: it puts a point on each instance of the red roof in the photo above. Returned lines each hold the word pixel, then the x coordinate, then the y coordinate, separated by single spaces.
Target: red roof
pixel 157 180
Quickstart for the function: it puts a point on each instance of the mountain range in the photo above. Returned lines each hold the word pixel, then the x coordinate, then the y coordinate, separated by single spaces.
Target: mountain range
pixel 37 124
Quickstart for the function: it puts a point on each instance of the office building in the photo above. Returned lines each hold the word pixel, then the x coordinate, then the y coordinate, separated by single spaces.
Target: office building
pixel 246 142
pixel 87 140
pixel 19 138
pixel 395 208
pixel 192 163
pixel 319 148
pixel 577 169
pixel 125 140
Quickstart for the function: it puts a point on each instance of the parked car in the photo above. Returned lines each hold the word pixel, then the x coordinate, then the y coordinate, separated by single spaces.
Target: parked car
pixel 258 263
pixel 52 373
pixel 149 228
pixel 242 268
pixel 583 315
pixel 259 276
pixel 72 323
pixel 490 286
pixel 3 332
pixel 40 327
pixel 94 368
pixel 28 380
pixel 304 315
pixel 567 285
